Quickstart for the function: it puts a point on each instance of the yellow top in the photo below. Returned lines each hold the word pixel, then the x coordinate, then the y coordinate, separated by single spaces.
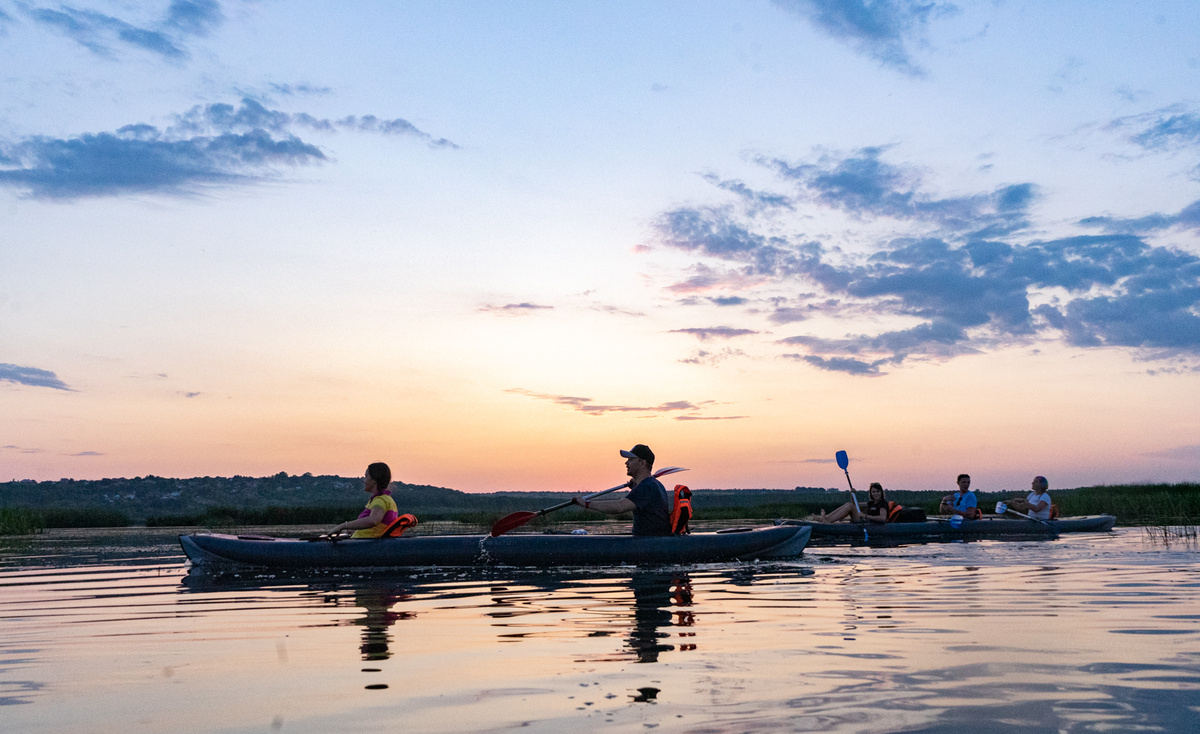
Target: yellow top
pixel 388 505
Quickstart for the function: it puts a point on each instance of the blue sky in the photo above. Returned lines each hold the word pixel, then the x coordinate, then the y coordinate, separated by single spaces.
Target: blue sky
pixel 490 243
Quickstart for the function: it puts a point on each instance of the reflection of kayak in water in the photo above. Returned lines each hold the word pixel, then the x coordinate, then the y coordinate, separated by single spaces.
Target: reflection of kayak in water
pixel 508 550
pixel 986 528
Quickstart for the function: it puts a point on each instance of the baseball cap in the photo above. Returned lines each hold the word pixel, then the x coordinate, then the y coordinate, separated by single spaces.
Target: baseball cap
pixel 641 451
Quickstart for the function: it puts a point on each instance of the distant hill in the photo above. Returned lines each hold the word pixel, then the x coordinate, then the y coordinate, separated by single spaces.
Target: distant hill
pixel 151 496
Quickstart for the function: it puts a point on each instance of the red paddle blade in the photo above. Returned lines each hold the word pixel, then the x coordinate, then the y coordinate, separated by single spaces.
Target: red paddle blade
pixel 510 522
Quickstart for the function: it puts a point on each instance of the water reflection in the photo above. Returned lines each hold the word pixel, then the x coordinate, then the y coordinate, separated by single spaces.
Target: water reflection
pixel 643 609
pixel 654 594
pixel 377 601
pixel 1079 635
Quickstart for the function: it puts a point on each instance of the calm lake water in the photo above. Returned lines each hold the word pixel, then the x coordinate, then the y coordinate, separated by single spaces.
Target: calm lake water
pixel 110 631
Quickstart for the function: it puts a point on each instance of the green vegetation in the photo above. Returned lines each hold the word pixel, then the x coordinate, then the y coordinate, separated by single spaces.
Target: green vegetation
pixel 19 521
pixel 221 517
pixel 1135 504
pixel 27 507
pixel 23 520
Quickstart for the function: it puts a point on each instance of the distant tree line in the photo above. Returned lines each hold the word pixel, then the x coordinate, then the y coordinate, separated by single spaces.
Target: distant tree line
pixel 283 499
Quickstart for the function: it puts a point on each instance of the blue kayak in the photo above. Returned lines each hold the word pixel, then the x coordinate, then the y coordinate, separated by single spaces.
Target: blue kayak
pixel 516 549
pixel 987 528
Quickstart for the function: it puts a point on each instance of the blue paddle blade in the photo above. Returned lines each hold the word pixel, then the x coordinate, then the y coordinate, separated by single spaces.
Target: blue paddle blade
pixel 842 460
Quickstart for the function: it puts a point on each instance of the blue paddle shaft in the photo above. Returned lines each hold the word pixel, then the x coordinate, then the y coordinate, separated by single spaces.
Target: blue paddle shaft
pixel 843 461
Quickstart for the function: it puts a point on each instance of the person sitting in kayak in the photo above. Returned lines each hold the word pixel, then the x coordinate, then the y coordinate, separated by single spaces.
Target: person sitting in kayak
pixel 647 498
pixel 962 502
pixel 1037 502
pixel 381 508
pixel 878 509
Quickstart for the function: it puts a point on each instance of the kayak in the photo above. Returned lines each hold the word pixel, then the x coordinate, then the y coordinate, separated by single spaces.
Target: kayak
pixel 934 530
pixel 517 549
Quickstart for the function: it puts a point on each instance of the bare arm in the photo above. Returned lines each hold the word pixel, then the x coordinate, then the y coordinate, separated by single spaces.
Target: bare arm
pixel 609 506
pixel 879 516
pixel 362 523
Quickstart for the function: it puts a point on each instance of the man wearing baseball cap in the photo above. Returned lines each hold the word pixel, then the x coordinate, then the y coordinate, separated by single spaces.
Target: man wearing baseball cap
pixel 647 499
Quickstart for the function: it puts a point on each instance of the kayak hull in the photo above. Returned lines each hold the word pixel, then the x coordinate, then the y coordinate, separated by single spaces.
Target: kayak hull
pixel 783 541
pixel 987 528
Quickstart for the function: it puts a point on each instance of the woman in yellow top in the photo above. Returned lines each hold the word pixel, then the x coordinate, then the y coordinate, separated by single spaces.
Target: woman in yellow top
pixel 381 508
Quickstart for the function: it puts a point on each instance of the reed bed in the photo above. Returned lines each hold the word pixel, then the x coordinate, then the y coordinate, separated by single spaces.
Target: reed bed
pixel 20 521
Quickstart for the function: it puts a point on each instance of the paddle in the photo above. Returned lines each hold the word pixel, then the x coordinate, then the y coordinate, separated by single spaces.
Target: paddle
pixel 1031 517
pixel 517 519
pixel 843 461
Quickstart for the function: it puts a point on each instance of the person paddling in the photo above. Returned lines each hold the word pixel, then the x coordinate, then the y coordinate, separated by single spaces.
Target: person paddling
pixel 647 499
pixel 1037 502
pixel 381 509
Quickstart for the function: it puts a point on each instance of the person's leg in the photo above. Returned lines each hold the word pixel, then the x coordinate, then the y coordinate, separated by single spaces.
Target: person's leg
pixel 840 513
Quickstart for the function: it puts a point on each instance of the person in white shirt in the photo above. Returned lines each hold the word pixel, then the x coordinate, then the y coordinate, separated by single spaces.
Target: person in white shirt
pixel 1036 503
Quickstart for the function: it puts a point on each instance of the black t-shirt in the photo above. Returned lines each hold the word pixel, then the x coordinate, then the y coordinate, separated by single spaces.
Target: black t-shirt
pixel 653 513
pixel 874 506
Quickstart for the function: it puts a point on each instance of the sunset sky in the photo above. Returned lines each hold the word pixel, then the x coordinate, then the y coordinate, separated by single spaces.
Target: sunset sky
pixel 494 243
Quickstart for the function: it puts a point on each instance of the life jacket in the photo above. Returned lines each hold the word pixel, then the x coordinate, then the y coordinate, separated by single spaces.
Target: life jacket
pixel 893 511
pixel 972 513
pixel 1053 511
pixel 681 511
pixel 396 529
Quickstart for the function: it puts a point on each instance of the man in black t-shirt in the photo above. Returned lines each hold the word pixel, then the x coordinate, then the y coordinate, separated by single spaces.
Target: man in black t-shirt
pixel 647 499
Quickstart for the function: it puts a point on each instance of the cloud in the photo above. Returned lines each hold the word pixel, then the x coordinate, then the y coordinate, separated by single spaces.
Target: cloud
pixel 194 17
pixel 715 332
pixel 210 145
pixel 87 453
pixel 712 359
pixel 1166 131
pixel 881 29
pixel 99 33
pixel 1186 218
pixel 966 278
pixel 758 200
pixel 515 309
pixel 1177 453
pixel 865 186
pixel 298 90
pixel 615 310
pixel 20 449
pixel 31 376
pixel 710 417
pixel 253 115
pixel 589 406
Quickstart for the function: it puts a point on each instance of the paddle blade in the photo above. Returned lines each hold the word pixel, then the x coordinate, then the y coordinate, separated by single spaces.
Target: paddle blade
pixel 511 522
pixel 668 470
pixel 842 460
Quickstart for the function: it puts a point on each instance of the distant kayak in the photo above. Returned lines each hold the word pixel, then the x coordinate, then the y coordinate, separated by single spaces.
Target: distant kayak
pixel 986 528
pixel 783 541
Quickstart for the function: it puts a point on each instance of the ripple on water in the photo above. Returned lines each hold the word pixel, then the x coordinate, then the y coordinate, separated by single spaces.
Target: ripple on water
pixel 1067 635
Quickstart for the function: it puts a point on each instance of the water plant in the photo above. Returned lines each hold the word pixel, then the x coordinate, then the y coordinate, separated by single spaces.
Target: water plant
pixel 20 521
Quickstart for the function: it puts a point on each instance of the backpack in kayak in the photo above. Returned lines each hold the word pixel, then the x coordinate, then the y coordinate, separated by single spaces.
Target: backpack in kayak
pixel 910 514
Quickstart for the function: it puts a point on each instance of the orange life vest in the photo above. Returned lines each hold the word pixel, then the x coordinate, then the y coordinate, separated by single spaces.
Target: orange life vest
pixel 396 529
pixel 681 511
pixel 893 512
